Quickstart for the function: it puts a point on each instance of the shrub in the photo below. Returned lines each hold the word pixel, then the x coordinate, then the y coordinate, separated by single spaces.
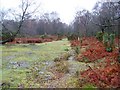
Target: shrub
pixel 72 37
pixel 77 49
pixel 6 35
pixel 66 49
pixel 99 36
pixel 108 41
pixel 63 57
pixel 105 39
pixel 119 58
pixel 95 51
pixel 60 36
pixel 106 77
pixel 43 36
pixel 75 43
pixel 112 38
pixel 61 67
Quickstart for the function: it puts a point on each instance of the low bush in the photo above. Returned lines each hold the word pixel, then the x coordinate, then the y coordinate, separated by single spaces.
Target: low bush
pixel 107 39
pixel 72 37
pixel 75 43
pixel 96 51
pixel 99 36
pixel 106 77
pixel 77 49
pixel 61 67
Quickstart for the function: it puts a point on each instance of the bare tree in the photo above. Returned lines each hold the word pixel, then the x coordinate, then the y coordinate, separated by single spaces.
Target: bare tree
pixel 82 21
pixel 104 16
pixel 25 12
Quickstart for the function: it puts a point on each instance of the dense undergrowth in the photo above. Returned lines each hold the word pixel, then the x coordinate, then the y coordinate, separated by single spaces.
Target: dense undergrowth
pixel 106 72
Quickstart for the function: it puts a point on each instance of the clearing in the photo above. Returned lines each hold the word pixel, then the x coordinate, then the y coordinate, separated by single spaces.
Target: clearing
pixel 34 65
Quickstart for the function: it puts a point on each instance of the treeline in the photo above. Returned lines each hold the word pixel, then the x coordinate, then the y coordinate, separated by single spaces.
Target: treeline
pixel 49 23
pixel 104 17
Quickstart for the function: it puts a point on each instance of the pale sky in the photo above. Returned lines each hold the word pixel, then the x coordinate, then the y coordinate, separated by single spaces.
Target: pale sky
pixel 65 8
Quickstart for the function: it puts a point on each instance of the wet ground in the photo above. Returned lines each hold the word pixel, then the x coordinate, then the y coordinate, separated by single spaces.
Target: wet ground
pixel 35 66
pixel 62 73
pixel 69 79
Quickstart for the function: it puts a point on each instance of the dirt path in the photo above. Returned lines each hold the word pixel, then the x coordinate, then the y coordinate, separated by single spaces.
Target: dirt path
pixel 70 79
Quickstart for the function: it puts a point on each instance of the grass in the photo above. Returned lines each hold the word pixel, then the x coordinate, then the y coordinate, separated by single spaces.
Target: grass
pixel 61 67
pixel 73 82
pixel 89 87
pixel 28 53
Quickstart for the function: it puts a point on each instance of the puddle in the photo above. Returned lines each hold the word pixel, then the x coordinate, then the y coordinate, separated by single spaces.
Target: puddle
pixel 15 65
pixel 69 79
pixel 48 63
pixel 75 66
pixel 45 76
pixel 71 58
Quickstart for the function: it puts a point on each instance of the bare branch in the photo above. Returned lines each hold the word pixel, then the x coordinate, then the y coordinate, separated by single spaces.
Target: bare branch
pixel 25 4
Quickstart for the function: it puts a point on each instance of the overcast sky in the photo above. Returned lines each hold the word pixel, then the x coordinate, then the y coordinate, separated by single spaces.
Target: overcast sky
pixel 65 8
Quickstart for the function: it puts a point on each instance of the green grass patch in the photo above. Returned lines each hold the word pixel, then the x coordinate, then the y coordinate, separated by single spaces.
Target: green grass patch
pixel 72 81
pixel 20 53
pixel 89 87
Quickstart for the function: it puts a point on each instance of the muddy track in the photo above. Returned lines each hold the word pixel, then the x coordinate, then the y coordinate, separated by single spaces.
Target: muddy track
pixel 70 79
